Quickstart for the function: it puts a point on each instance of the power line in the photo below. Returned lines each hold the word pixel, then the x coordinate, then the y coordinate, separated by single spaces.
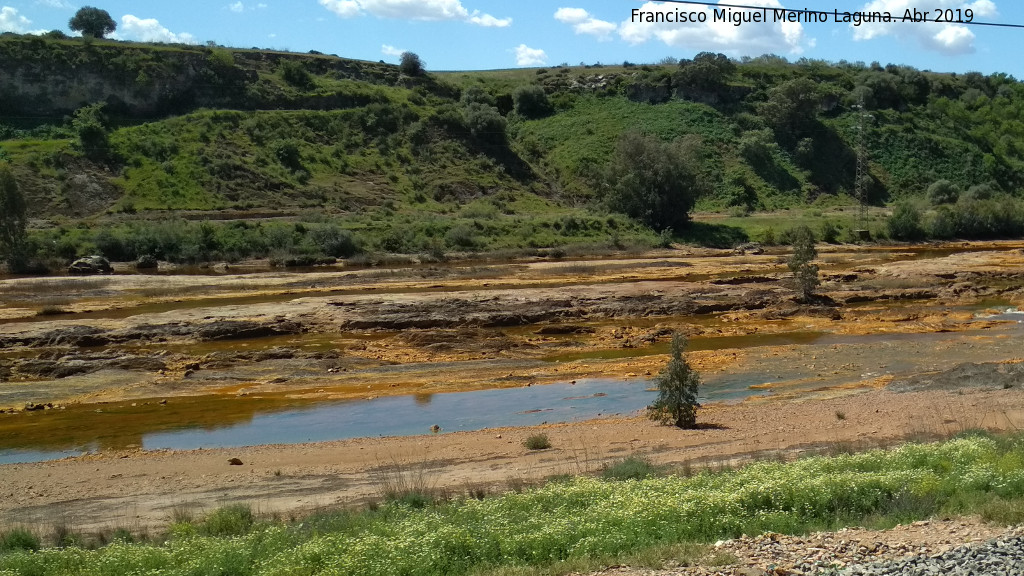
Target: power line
pixel 825 12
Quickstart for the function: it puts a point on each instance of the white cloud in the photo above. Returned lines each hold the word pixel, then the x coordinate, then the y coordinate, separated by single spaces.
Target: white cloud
pixel 343 8
pixel 389 50
pixel 747 39
pixel 571 15
pixel 237 7
pixel 261 6
pixel 64 4
pixel 150 30
pixel 526 56
pixel 423 10
pixel 11 21
pixel 949 39
pixel 583 23
pixel 488 21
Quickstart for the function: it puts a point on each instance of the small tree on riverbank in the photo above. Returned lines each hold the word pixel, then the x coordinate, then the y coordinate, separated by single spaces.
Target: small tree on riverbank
pixel 13 220
pixel 800 263
pixel 677 390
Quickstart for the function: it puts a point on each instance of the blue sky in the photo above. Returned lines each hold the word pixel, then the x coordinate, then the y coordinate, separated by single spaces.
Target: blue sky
pixel 486 34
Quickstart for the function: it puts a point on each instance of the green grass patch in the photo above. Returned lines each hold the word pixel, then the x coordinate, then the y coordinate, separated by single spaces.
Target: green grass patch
pixel 567 523
pixel 631 468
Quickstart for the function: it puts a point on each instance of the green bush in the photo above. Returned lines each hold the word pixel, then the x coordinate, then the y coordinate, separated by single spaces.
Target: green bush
pixel 1000 217
pixel 979 192
pixel 485 123
pixel 18 539
pixel 294 73
pixel 942 223
pixel 905 223
pixel 13 222
pixel 943 192
pixel 829 232
pixel 537 442
pixel 532 102
pixel 333 241
pixel 233 520
pixel 462 236
pixel 632 468
pixel 289 154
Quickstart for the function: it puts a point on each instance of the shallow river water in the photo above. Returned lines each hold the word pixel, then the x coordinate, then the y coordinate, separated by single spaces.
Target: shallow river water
pixel 808 363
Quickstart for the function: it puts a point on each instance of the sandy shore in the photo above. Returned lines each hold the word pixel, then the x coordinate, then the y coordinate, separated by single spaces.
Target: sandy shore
pixel 141 490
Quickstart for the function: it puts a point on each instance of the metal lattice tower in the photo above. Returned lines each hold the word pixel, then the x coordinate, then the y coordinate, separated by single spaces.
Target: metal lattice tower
pixel 862 169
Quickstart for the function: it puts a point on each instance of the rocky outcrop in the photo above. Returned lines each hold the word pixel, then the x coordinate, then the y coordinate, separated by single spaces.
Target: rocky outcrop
pixel 245 329
pixel 501 312
pixel 91 265
pixel 52 79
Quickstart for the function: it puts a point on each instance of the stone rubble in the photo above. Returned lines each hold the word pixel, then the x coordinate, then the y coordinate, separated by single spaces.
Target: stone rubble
pixel 956 547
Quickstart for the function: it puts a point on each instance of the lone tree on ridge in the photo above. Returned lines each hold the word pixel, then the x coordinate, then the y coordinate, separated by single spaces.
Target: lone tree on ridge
pixel 677 390
pixel 411 64
pixel 92 22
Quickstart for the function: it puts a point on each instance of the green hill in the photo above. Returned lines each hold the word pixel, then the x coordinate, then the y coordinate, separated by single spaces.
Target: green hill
pixel 238 153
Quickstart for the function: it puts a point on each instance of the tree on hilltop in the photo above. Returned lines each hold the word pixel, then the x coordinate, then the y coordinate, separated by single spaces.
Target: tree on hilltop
pixel 92 22
pixel 411 64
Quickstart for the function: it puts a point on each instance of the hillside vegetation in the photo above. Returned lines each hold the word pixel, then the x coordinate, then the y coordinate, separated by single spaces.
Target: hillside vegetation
pixel 240 153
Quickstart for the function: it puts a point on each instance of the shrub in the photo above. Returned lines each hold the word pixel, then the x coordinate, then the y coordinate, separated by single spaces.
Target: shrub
pixel 537 442
pixel 677 390
pixel 800 262
pixel 233 520
pixel 51 310
pixel 91 125
pixel 288 154
pixel 943 192
pixel 13 221
pixel 979 192
pixel 485 123
pixel 18 539
pixel 295 73
pixel 942 223
pixel 905 223
pixel 1000 217
pixel 632 468
pixel 829 232
pixel 477 95
pixel 532 102
pixel 333 241
pixel 462 236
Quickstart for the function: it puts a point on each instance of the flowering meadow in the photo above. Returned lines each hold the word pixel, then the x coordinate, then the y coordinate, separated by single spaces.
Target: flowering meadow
pixel 580 517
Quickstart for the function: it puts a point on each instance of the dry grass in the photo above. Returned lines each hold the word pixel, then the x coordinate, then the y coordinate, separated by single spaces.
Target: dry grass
pixel 413 483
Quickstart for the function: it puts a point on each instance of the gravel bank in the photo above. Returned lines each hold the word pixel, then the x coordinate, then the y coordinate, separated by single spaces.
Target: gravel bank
pixel 964 546
pixel 999 557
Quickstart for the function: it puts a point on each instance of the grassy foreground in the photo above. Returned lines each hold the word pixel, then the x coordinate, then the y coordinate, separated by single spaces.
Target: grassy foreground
pixel 577 519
